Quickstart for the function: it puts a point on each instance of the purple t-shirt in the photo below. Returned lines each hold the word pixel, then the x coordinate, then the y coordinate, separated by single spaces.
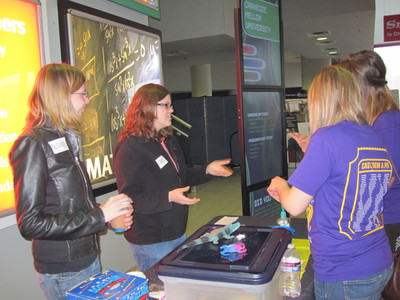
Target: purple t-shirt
pixel 347 170
pixel 387 125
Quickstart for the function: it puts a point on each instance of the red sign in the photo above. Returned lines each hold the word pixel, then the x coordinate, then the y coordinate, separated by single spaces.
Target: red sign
pixel 391 28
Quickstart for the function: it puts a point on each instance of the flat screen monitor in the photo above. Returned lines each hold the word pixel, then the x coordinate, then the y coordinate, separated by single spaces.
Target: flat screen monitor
pixel 263 135
pixel 262 204
pixel 261 46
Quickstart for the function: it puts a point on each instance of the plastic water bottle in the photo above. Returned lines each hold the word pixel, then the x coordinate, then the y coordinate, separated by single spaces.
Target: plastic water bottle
pixel 289 282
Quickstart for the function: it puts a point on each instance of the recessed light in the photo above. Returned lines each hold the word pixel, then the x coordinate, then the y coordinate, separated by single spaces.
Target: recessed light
pixel 176 53
pixel 331 49
pixel 322 38
pixel 317 34
pixel 333 53
pixel 325 43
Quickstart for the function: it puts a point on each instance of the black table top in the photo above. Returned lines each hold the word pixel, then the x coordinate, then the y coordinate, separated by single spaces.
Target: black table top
pixel 298 224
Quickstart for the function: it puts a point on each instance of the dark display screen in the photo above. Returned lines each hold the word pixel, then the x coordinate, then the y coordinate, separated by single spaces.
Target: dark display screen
pixel 262 204
pixel 211 254
pixel 260 250
pixel 263 136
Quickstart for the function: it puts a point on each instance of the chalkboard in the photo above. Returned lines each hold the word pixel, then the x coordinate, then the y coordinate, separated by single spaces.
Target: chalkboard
pixel 117 60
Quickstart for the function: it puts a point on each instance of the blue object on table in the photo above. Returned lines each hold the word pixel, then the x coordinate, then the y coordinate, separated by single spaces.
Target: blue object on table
pixel 287 228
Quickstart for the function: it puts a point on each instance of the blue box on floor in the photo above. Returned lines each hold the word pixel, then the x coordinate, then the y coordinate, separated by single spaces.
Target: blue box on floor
pixel 205 272
pixel 110 284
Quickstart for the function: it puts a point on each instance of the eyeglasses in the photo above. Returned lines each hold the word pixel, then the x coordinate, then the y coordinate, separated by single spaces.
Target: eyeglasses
pixel 84 94
pixel 167 105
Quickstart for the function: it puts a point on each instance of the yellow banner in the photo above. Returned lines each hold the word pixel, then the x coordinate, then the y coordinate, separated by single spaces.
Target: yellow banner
pixel 19 64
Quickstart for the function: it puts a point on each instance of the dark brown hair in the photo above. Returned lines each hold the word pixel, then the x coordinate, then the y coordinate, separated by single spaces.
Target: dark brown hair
pixel 370 72
pixel 141 113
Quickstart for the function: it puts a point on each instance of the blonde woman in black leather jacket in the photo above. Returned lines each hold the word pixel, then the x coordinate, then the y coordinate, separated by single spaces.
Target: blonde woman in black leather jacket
pixel 55 206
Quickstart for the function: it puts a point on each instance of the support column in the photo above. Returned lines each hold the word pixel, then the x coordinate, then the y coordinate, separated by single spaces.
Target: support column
pixel 201 80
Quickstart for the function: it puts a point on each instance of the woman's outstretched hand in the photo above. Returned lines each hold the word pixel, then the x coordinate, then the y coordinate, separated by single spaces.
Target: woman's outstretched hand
pixel 178 196
pixel 301 139
pixel 219 168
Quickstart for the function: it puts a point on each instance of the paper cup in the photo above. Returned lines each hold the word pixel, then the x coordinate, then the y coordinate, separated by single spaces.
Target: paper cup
pixel 118 224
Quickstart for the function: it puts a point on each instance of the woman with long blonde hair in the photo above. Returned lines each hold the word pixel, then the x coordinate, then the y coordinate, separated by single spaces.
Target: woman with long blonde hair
pixel 341 182
pixel 55 206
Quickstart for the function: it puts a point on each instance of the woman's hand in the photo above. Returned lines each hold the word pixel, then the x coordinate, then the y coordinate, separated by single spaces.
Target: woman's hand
pixel 116 206
pixel 219 168
pixel 179 197
pixel 301 139
pixel 292 199
pixel 277 184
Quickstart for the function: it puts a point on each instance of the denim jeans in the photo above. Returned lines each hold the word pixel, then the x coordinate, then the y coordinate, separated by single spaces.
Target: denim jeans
pixel 55 286
pixel 367 288
pixel 147 255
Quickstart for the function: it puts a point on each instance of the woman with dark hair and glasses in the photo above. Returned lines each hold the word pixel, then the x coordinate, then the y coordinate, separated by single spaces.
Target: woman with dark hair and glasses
pixel 55 206
pixel 150 168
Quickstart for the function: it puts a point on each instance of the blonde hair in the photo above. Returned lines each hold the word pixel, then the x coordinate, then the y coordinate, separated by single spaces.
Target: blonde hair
pixel 370 72
pixel 50 99
pixel 333 97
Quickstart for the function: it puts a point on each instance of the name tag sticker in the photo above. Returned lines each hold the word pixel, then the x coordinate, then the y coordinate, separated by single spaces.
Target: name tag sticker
pixel 58 145
pixel 161 161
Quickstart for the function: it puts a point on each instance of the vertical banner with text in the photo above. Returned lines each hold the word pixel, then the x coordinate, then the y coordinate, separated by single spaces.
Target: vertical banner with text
pixel 19 64
pixel 259 50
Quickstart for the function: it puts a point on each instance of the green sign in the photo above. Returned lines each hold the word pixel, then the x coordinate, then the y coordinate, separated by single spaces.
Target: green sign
pixel 150 8
pixel 261 19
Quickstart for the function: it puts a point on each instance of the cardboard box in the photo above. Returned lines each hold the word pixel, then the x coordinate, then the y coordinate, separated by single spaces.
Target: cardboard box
pixel 111 285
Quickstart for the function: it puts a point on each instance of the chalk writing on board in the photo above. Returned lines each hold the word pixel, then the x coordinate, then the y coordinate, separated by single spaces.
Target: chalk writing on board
pixel 116 60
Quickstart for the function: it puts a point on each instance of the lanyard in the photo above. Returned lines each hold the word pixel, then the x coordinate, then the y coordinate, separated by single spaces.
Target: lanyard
pixel 169 154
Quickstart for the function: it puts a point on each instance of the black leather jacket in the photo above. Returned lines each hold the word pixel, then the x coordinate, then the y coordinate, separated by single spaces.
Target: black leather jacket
pixel 55 206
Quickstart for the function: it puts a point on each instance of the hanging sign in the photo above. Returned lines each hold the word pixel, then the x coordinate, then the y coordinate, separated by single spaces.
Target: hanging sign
pixel 391 28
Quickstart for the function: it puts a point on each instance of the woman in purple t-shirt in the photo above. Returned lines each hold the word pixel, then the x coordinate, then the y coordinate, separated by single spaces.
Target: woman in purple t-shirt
pixel 384 116
pixel 382 112
pixel 341 182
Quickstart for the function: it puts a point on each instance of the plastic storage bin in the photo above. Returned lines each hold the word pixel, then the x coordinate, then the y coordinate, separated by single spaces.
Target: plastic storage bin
pixel 202 272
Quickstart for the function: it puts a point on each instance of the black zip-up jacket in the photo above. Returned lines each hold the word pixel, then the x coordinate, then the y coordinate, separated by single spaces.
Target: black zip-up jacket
pixel 146 173
pixel 55 206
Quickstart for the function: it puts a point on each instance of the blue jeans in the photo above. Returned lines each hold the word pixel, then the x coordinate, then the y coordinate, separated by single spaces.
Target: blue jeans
pixel 367 288
pixel 55 286
pixel 147 255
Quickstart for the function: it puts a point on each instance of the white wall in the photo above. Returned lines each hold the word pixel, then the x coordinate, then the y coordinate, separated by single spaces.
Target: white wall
pixel 211 18
pixel 16 263
pixel 292 74
pixel 310 68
